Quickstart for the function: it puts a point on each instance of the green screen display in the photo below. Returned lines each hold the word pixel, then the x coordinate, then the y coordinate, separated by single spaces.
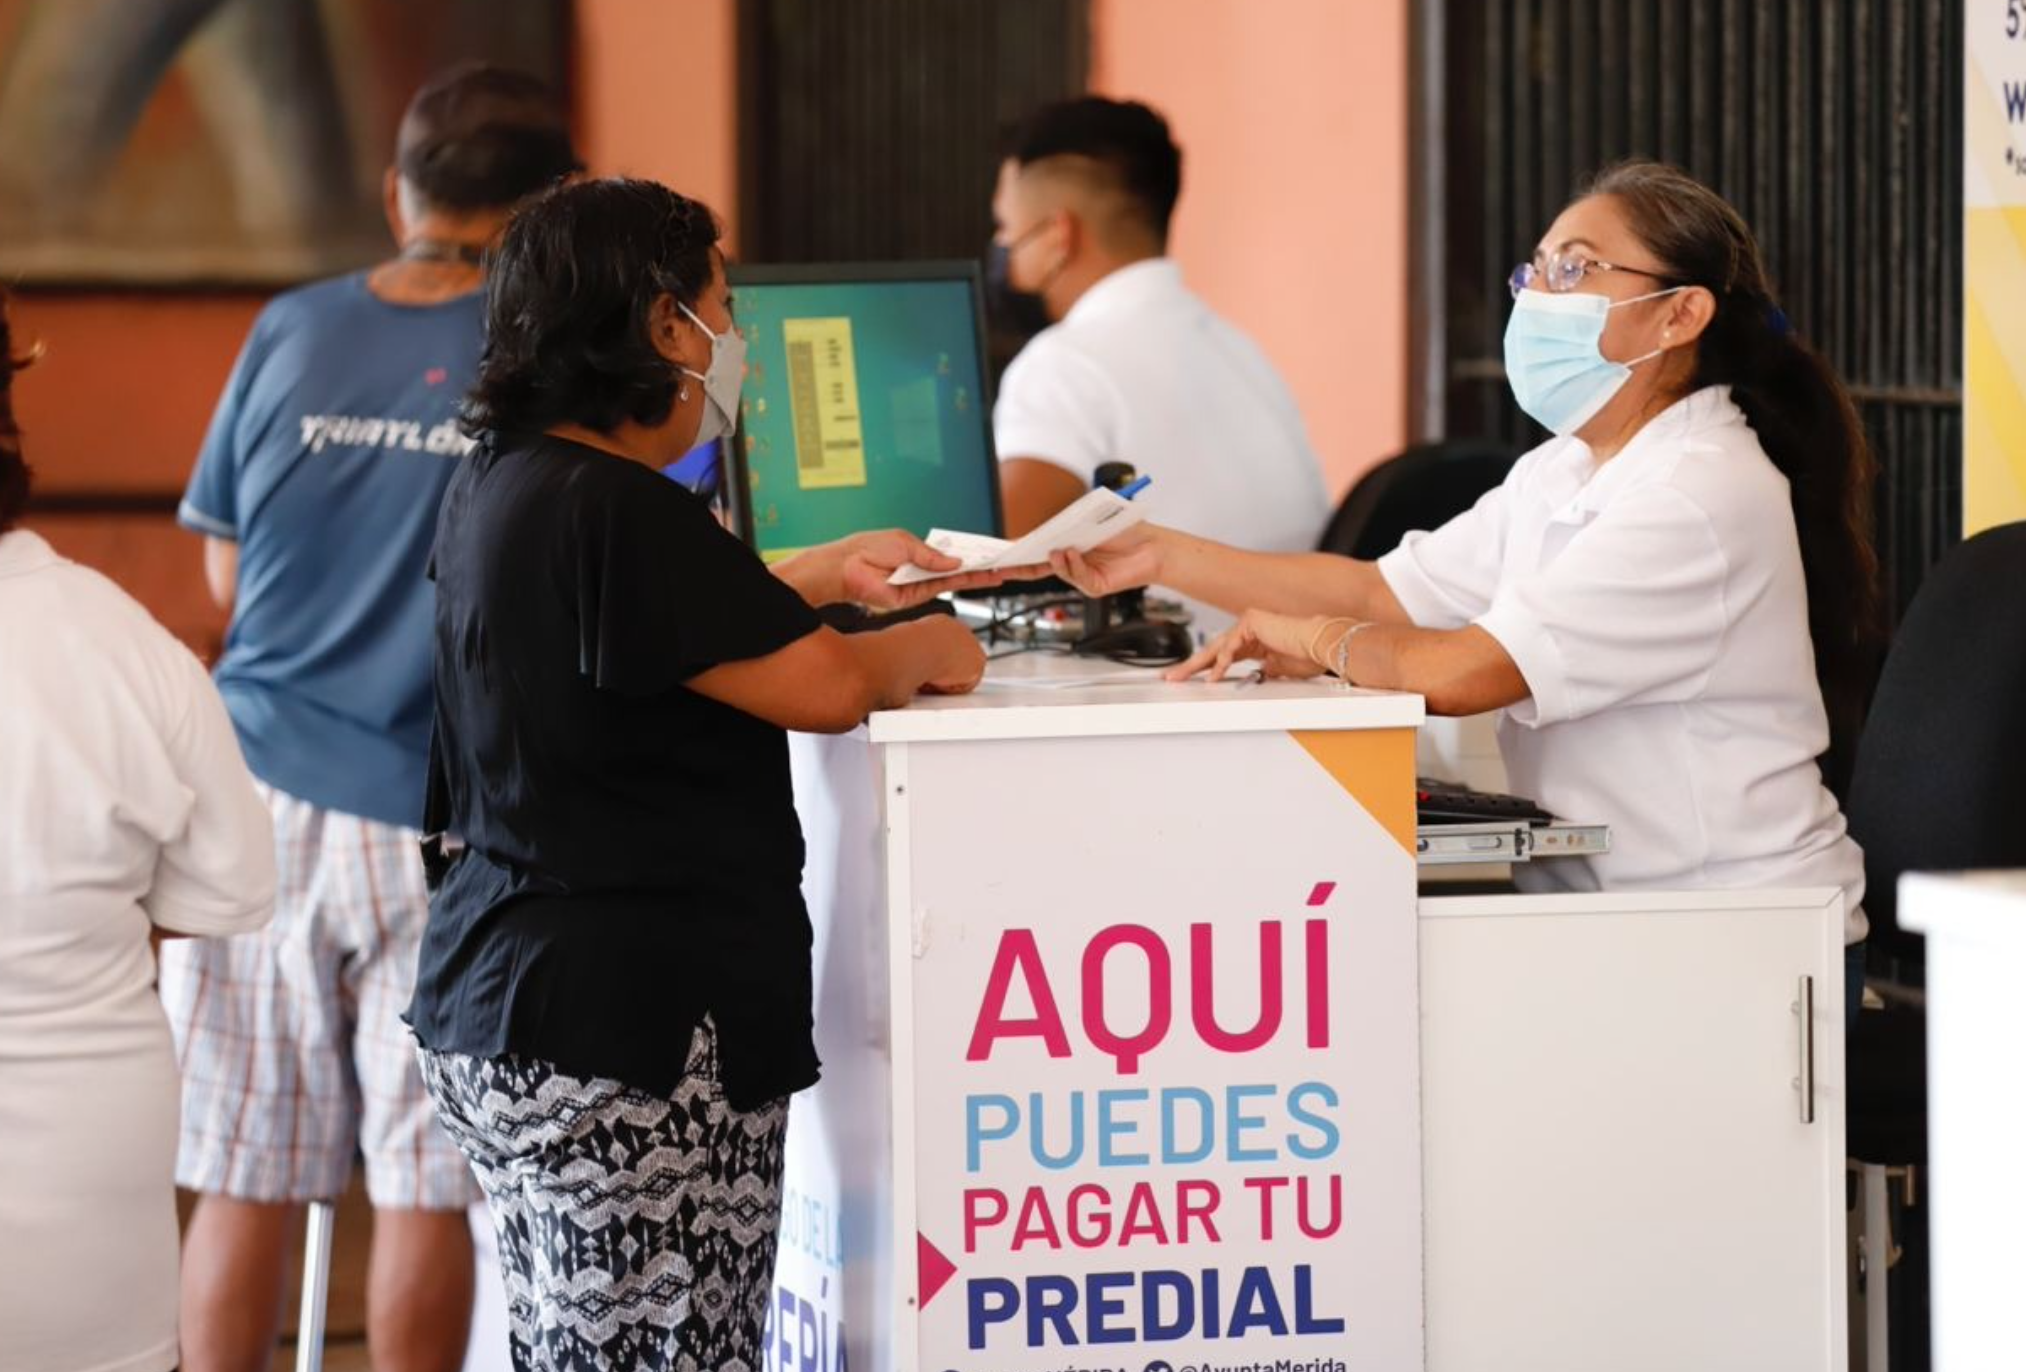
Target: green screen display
pixel 864 408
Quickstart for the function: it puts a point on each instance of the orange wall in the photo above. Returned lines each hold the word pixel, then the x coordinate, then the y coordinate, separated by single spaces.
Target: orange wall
pixel 119 403
pixel 125 388
pixel 658 93
pixel 122 398
pixel 1292 118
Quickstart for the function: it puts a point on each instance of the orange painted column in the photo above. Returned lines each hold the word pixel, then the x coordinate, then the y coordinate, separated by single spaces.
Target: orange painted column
pixel 1292 119
pixel 657 94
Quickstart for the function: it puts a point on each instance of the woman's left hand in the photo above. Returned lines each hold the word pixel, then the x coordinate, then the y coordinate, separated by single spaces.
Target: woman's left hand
pixel 1279 643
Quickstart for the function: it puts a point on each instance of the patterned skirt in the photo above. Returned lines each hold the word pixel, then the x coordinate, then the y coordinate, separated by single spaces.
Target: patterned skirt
pixel 635 1230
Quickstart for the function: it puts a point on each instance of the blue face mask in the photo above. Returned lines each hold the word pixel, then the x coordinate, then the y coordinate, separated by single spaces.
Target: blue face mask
pixel 1552 360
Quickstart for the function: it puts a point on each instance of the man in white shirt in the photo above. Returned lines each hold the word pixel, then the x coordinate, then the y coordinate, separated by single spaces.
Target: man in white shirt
pixel 1137 368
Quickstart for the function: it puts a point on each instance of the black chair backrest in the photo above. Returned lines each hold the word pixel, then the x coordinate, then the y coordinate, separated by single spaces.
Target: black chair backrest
pixel 1422 488
pixel 1937 783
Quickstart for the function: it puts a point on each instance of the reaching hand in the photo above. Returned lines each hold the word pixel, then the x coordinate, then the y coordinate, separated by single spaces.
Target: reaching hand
pixel 1131 560
pixel 867 560
pixel 1279 643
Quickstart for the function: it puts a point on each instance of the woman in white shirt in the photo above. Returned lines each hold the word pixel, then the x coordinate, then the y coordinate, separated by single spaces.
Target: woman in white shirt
pixel 126 815
pixel 1659 600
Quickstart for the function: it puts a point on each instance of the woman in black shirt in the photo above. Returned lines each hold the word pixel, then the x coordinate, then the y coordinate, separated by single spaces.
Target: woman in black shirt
pixel 613 999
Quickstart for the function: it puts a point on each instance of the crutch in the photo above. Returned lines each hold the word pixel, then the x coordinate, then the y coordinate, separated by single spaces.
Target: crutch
pixel 316 1286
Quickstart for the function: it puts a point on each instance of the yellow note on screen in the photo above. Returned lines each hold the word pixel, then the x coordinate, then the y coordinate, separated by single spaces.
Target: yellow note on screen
pixel 823 396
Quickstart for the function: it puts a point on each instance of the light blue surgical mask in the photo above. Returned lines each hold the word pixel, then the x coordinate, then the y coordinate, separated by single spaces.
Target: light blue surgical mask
pixel 1553 362
pixel 722 381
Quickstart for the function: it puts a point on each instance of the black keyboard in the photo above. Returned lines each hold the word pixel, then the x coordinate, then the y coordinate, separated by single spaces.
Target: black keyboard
pixel 1445 802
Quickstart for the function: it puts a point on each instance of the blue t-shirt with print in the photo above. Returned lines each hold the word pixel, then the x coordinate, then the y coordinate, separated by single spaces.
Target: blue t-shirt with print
pixel 325 462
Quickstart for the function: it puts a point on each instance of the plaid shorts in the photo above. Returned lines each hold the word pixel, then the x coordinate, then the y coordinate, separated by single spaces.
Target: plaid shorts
pixel 291 1042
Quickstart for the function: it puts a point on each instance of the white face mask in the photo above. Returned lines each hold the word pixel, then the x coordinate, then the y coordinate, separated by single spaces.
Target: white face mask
pixel 721 382
pixel 1552 358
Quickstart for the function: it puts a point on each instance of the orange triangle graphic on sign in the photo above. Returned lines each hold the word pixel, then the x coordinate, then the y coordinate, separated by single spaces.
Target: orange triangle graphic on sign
pixel 1376 767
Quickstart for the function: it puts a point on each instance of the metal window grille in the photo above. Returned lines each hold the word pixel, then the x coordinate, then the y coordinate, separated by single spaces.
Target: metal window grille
pixel 1835 127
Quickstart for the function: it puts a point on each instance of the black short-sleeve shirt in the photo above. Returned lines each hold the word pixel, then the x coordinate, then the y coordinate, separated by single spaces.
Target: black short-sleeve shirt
pixel 632 857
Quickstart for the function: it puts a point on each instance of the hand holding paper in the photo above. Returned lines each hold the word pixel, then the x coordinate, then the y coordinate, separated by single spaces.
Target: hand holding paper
pixel 1097 517
pixel 866 562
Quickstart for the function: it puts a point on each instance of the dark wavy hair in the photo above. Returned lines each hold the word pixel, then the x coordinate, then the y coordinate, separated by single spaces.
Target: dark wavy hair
pixel 1803 416
pixel 14 470
pixel 568 298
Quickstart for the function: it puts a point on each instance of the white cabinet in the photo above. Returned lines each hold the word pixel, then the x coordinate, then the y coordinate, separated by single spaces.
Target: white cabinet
pixel 1616 1175
pixel 1976 962
pixel 1617 1170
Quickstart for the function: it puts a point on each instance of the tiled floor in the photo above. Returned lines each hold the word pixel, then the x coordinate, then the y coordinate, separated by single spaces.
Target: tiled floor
pixel 340 1355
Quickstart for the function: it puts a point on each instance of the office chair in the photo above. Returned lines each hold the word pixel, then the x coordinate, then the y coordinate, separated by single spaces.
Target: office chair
pixel 1422 488
pixel 1935 787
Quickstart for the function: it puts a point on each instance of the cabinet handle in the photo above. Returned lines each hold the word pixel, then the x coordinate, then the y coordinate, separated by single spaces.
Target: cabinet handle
pixel 1804 1010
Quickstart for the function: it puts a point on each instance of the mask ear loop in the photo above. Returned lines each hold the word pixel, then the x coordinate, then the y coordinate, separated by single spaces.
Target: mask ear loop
pixel 702 327
pixel 682 387
pixel 1634 300
pixel 1055 272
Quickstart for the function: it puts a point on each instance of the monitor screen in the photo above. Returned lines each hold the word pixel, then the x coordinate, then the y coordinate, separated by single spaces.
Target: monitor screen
pixel 865 404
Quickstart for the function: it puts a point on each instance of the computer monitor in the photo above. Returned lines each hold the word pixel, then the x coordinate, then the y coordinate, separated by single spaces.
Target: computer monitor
pixel 866 404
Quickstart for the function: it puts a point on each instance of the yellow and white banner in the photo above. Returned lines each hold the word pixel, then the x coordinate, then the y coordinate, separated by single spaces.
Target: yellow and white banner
pixel 1994 268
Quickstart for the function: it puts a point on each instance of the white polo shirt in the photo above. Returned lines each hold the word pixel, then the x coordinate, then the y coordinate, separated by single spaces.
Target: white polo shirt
pixel 124 808
pixel 1140 370
pixel 1656 607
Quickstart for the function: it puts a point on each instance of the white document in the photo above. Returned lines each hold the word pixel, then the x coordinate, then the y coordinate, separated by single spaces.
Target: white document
pixel 1124 676
pixel 1097 517
pixel 1245 672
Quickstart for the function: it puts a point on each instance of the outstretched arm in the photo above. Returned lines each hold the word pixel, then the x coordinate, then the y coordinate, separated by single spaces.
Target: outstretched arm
pixel 1232 578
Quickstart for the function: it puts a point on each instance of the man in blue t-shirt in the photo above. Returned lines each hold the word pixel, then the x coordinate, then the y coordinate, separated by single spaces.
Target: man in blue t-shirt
pixel 316 491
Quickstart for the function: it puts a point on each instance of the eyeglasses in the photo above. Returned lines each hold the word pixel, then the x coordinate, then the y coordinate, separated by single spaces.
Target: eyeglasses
pixel 1562 272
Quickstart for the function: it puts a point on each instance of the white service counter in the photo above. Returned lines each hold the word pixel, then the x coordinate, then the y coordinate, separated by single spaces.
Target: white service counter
pixel 1127 986
pixel 1120 980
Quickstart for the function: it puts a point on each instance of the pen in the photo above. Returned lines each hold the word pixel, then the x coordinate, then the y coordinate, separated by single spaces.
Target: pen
pixel 1133 487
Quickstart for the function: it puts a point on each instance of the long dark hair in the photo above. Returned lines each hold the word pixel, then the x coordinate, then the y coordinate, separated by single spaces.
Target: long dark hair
pixel 14 472
pixel 1803 416
pixel 569 294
